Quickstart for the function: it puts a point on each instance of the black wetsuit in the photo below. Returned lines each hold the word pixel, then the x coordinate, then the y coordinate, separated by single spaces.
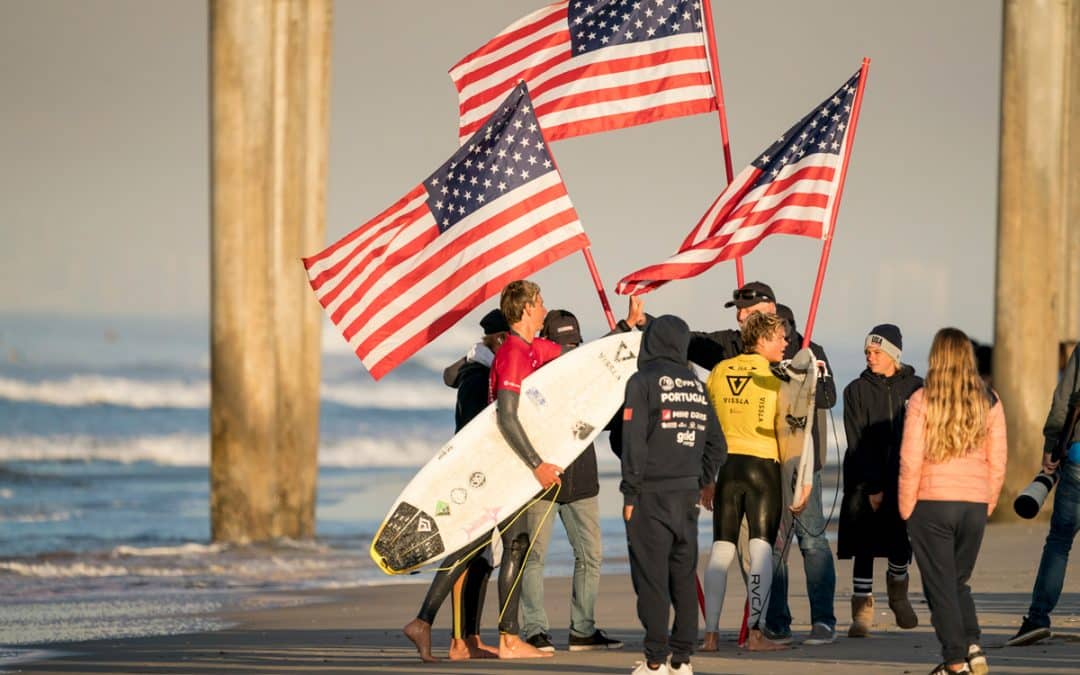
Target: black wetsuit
pixel 470 378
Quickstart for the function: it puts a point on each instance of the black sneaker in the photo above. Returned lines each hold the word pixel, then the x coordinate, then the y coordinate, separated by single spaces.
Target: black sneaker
pixel 1028 634
pixel 595 641
pixel 541 641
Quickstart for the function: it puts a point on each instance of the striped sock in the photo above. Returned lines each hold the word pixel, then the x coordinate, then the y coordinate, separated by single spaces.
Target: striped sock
pixel 897 571
pixel 863 586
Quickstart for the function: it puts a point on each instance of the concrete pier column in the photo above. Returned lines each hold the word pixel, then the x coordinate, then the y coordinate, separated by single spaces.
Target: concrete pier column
pixel 269 109
pixel 1039 162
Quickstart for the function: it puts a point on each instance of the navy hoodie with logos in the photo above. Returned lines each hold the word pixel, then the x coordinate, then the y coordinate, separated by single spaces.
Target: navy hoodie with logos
pixel 671 437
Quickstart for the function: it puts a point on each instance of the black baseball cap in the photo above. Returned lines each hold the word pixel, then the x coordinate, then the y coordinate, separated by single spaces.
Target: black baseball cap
pixel 561 326
pixel 751 294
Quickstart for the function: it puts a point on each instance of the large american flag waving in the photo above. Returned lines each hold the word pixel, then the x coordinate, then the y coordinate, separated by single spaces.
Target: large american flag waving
pixel 593 65
pixel 496 211
pixel 789 189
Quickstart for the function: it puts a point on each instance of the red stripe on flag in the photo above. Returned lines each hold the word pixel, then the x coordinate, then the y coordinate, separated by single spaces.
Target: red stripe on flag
pixel 624 120
pixel 359 258
pixel 474 299
pixel 499 41
pixel 451 249
pixel 310 261
pixel 621 65
pixel 518 56
pixel 498 90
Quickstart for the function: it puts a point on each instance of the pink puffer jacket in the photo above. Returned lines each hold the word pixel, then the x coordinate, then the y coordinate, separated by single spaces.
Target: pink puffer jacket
pixel 974 477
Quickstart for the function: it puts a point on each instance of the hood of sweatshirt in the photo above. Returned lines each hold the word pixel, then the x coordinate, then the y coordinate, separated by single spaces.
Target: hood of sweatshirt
pixel 666 338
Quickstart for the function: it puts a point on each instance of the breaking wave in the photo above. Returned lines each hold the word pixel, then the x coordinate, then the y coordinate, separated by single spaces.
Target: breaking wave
pixel 90 390
pixel 194 450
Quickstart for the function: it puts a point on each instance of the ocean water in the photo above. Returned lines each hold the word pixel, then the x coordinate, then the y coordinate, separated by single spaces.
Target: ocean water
pixel 104 449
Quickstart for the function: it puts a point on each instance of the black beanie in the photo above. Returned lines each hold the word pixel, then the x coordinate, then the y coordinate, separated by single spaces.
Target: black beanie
pixel 494 322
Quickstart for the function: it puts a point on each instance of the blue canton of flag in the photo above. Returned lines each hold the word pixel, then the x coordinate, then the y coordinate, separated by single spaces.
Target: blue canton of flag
pixel 821 131
pixel 594 25
pixel 507 152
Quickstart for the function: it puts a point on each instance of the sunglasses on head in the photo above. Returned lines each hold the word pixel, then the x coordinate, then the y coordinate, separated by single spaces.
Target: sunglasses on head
pixel 751 294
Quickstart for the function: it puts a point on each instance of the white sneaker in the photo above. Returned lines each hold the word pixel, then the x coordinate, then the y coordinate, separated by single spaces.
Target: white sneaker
pixel 642 668
pixel 684 669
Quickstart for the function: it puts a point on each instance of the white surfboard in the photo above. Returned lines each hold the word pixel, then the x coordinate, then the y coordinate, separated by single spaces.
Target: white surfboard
pixel 796 408
pixel 476 481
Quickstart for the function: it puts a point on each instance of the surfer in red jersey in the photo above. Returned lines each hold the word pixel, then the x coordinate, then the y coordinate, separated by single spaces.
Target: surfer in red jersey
pixel 521 354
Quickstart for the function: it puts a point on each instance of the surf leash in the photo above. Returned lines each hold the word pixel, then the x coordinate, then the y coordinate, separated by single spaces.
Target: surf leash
pixel 532 539
pixel 487 540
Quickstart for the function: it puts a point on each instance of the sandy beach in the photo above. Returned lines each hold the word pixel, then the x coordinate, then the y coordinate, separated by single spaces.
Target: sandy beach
pixel 358 631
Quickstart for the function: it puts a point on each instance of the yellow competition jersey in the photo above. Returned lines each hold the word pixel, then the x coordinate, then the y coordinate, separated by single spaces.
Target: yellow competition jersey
pixel 744 391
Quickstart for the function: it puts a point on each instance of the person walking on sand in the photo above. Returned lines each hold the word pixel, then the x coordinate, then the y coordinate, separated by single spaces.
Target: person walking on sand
pixel 465 574
pixel 672 447
pixel 952 467
pixel 870 524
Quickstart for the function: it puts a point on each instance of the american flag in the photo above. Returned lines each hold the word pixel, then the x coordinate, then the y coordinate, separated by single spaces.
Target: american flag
pixel 496 211
pixel 788 189
pixel 593 66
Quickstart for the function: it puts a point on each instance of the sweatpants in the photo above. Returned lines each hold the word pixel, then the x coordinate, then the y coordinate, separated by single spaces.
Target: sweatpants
pixel 945 537
pixel 662 538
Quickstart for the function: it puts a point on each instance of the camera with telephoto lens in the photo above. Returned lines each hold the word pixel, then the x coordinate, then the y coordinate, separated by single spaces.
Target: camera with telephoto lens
pixel 1031 498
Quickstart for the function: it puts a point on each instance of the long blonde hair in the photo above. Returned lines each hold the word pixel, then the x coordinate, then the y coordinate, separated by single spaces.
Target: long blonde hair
pixel 957 404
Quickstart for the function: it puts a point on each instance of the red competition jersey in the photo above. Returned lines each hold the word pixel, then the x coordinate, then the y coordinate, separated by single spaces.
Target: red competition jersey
pixel 516 359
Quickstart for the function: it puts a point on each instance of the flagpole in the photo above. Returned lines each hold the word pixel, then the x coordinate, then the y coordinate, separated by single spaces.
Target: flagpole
pixel 587 252
pixel 718 88
pixel 827 247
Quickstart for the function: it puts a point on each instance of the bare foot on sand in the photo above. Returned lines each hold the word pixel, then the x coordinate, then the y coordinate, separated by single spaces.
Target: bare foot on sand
pixel 419 631
pixel 471 648
pixel 757 642
pixel 711 643
pixel 513 647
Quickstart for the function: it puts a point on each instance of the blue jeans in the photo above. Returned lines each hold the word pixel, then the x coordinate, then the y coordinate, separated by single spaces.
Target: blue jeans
pixel 819 567
pixel 582 522
pixel 1063 527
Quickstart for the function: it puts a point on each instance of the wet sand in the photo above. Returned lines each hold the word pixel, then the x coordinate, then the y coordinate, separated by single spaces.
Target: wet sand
pixel 359 631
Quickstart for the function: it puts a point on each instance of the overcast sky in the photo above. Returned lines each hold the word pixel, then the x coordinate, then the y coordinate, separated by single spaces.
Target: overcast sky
pixel 105 165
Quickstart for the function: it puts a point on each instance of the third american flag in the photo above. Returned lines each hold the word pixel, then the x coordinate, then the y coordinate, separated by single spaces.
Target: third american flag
pixel 788 189
pixel 593 65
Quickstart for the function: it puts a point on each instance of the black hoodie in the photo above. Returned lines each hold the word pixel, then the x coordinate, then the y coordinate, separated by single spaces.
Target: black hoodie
pixel 470 378
pixel 671 437
pixel 874 408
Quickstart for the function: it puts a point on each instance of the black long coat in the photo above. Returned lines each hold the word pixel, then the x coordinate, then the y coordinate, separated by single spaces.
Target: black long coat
pixel 874 420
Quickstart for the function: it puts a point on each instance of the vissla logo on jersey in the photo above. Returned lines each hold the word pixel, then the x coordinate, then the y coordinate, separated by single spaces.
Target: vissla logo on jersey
pixel 666 383
pixel 736 383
